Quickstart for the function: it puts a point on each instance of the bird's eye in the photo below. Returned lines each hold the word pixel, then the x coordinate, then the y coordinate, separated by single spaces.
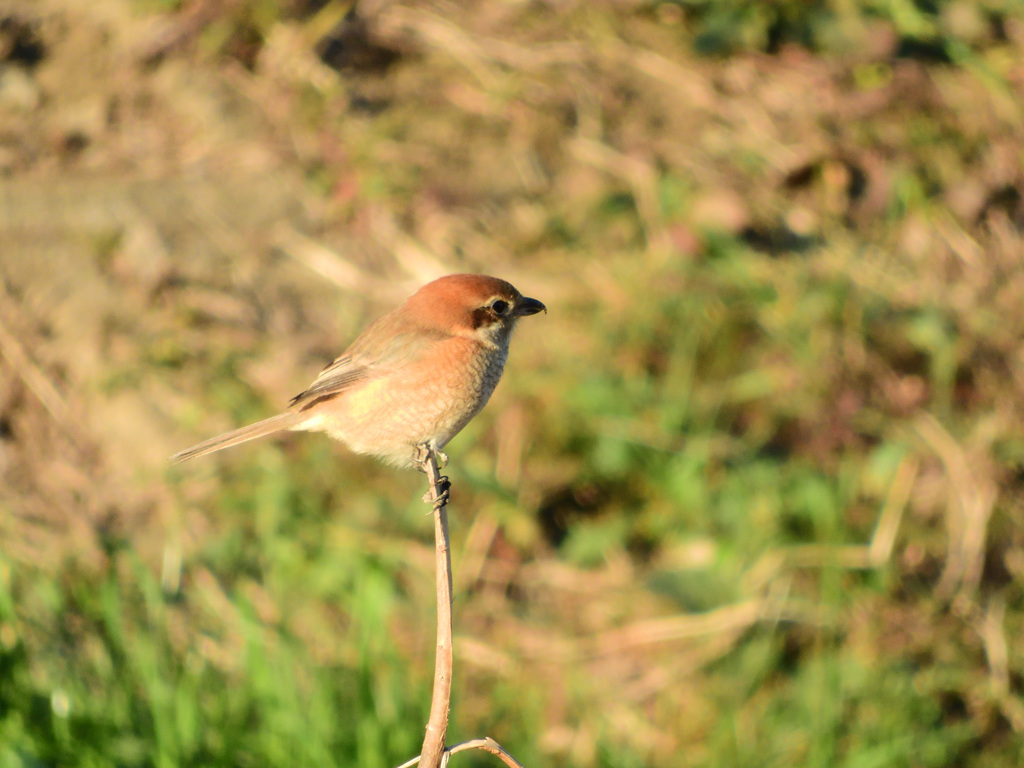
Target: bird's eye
pixel 500 307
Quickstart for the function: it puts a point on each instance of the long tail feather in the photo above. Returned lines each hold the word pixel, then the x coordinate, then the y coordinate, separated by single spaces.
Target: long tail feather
pixel 269 426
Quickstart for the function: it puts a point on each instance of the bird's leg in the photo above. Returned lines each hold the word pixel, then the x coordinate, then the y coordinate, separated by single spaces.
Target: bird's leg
pixel 421 454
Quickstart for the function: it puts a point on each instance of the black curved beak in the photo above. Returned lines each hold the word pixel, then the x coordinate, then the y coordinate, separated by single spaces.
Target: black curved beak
pixel 527 306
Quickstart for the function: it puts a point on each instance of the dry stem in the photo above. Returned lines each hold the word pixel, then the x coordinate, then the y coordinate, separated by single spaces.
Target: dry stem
pixel 433 754
pixel 437 726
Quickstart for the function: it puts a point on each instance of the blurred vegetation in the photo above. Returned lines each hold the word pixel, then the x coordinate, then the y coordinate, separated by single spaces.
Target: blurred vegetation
pixel 749 495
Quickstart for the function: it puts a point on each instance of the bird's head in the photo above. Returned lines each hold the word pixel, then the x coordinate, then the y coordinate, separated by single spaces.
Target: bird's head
pixel 478 306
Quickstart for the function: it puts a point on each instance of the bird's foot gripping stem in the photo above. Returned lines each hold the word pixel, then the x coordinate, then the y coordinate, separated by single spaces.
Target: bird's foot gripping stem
pixel 421 453
pixel 439 483
pixel 444 488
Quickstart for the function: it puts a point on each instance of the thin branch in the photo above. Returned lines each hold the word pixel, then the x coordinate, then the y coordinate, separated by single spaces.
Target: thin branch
pixel 432 753
pixel 487 744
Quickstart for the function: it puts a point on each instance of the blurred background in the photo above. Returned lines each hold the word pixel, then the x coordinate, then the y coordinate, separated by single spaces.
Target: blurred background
pixel 749 495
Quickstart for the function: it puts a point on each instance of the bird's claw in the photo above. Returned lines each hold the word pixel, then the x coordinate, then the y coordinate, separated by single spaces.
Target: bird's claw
pixel 422 452
pixel 421 455
pixel 444 487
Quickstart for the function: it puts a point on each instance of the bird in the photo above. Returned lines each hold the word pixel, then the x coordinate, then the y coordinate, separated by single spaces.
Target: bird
pixel 412 380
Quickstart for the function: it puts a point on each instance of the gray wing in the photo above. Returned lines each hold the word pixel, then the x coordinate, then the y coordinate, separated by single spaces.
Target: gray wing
pixel 332 381
pixel 364 361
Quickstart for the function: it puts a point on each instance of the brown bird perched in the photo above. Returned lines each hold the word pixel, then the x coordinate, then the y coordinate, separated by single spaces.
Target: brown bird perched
pixel 415 377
